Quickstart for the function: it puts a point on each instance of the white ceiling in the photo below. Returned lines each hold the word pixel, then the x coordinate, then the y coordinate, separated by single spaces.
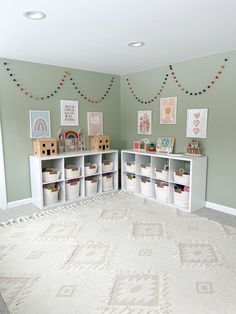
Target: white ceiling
pixel 93 34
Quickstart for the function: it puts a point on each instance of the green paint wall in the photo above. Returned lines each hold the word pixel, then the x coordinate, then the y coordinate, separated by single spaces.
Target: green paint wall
pixel 14 113
pixel 220 145
pixel 120 114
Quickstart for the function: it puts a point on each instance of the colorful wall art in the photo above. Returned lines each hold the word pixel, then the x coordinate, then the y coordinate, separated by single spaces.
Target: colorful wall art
pixel 145 122
pixel 39 123
pixel 95 123
pixel 168 110
pixel 197 123
pixel 69 112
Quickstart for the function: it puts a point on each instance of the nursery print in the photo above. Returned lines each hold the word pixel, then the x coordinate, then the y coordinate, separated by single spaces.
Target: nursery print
pixel 39 123
pixel 145 122
pixel 197 123
pixel 95 123
pixel 168 108
pixel 69 112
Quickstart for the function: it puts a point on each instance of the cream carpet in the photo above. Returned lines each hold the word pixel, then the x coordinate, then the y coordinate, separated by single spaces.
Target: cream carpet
pixel 118 254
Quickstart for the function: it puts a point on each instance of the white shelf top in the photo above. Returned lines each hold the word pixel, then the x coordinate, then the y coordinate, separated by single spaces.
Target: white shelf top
pixel 76 154
pixel 162 155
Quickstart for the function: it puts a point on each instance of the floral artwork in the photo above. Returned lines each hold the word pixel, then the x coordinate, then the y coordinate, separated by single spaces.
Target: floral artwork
pixel 95 123
pixel 168 109
pixel 196 123
pixel 145 122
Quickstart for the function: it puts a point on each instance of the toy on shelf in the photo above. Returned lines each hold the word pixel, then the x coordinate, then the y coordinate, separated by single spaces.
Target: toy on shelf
pixel 45 146
pixel 165 144
pixel 70 141
pixel 194 148
pixel 142 145
pixel 100 142
pixel 152 147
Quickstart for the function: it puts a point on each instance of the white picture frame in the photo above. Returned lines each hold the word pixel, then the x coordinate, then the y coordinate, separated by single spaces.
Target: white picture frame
pixel 95 123
pixel 69 113
pixel 40 125
pixel 168 110
pixel 196 123
pixel 144 123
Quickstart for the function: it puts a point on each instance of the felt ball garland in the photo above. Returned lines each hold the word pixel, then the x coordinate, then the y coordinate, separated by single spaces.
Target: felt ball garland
pixel 202 91
pixel 179 85
pixel 59 86
pixel 90 99
pixel 28 93
pixel 152 99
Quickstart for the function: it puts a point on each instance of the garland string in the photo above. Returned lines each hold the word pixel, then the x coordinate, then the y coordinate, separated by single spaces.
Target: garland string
pixel 207 87
pixel 152 99
pixel 65 76
pixel 176 80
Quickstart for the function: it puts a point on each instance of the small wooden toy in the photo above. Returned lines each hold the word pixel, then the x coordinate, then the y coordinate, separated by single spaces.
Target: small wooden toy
pixel 45 146
pixel 152 147
pixel 100 142
pixel 136 145
pixel 144 144
pixel 165 144
pixel 70 141
pixel 194 148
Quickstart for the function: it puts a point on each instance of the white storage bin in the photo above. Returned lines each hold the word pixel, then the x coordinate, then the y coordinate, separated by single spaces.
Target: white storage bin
pixel 162 192
pixel 72 190
pixel 107 182
pixel 50 197
pixel 50 174
pixel 72 172
pixel 145 170
pixel 181 198
pixel 107 165
pixel 91 186
pixel 162 174
pixel 130 166
pixel 145 187
pixel 181 178
pixel 130 183
pixel 90 169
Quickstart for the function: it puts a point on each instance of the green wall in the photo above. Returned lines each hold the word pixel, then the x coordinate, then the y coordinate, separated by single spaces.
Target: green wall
pixel 14 113
pixel 220 145
pixel 120 114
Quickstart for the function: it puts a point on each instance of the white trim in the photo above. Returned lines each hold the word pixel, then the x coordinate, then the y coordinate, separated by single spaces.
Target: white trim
pixel 3 194
pixel 221 208
pixel 25 201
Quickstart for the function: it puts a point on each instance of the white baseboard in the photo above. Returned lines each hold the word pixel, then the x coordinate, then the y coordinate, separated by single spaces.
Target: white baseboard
pixel 221 208
pixel 25 201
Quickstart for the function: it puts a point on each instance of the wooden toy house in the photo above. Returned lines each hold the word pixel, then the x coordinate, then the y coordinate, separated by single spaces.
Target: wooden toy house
pixel 100 142
pixel 45 146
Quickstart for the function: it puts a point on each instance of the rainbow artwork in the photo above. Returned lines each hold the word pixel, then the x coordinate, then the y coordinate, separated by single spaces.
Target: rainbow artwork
pixel 71 134
pixel 39 123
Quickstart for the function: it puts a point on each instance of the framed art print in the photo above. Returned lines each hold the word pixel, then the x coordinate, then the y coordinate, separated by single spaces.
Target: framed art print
pixel 168 110
pixel 145 122
pixel 197 123
pixel 95 123
pixel 39 123
pixel 69 113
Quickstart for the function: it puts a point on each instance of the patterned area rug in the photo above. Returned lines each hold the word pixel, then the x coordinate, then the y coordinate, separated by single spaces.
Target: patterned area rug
pixel 118 254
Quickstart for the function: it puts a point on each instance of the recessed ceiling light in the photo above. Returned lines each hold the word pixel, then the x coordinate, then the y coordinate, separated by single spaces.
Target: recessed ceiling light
pixel 136 44
pixel 34 15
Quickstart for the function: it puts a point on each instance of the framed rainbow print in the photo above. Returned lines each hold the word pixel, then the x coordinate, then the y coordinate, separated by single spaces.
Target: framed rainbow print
pixel 39 123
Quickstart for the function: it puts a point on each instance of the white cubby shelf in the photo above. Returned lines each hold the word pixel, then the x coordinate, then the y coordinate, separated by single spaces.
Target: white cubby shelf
pixel 153 175
pixel 79 160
